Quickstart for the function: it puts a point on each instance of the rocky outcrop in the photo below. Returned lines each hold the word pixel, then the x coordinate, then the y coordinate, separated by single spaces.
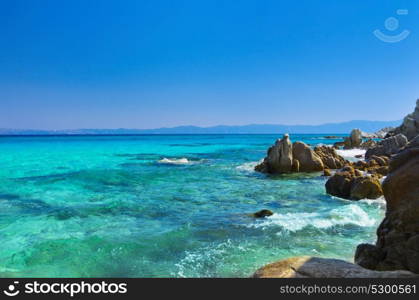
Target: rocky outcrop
pixel 388 146
pixel 410 125
pixel 368 144
pixel 279 158
pixel 354 140
pixel 350 183
pixel 306 159
pixel 316 267
pixel 285 157
pixel 329 157
pixel 397 245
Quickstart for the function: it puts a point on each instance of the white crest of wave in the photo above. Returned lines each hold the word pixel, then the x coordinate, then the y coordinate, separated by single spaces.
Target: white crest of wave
pixel 348 214
pixel 351 153
pixel 380 202
pixel 249 166
pixel 175 161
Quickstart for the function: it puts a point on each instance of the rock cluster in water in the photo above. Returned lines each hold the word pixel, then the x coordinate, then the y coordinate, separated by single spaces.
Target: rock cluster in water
pixel 397 246
pixel 285 157
pixel 388 146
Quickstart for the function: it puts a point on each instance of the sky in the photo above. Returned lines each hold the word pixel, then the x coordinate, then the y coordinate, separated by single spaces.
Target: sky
pixel 148 64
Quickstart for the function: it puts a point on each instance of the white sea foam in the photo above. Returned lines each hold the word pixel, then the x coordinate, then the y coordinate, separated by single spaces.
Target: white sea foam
pixel 175 161
pixel 380 202
pixel 351 153
pixel 348 214
pixel 249 166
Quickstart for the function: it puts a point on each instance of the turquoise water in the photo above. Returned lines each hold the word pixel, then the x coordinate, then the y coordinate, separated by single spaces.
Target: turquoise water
pixel 164 206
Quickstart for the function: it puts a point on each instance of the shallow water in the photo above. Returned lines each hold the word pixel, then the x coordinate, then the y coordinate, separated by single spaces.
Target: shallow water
pixel 164 206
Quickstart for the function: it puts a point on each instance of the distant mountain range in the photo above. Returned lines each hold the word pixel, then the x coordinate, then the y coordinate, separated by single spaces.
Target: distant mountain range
pixel 329 128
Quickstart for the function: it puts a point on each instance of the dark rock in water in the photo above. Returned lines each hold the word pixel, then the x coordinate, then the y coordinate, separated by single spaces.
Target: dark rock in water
pixel 263 213
pixel 351 184
pixel 338 145
pixel 316 267
pixel 332 137
pixel 354 140
pixel 359 156
pixel 410 125
pixel 397 245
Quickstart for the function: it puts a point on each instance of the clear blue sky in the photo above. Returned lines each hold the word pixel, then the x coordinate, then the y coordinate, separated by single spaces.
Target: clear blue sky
pixel 146 64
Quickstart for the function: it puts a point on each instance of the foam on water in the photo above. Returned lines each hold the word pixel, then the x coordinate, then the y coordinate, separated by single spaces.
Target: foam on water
pixel 175 161
pixel 351 153
pixel 348 214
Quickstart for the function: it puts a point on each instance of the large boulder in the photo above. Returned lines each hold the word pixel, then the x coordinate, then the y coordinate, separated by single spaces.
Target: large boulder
pixel 354 140
pixel 308 160
pixel 279 158
pixel 350 183
pixel 329 157
pixel 316 267
pixel 388 146
pixel 410 125
pixel 397 245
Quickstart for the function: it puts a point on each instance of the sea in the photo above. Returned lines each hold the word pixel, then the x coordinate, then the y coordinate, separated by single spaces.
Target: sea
pixel 165 206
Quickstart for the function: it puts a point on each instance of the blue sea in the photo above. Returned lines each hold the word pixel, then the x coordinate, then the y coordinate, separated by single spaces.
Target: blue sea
pixel 164 206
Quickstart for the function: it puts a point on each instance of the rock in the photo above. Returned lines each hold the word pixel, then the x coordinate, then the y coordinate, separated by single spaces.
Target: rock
pixel 262 213
pixel 383 132
pixel 359 156
pixel 332 137
pixel 388 146
pixel 410 125
pixel 327 172
pixel 368 144
pixel 397 245
pixel 285 157
pixel 329 157
pixel 316 267
pixel 352 184
pixel 279 158
pixel 307 159
pixel 354 140
pixel 366 187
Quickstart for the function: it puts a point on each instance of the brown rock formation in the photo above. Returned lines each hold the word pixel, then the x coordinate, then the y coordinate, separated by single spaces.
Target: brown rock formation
pixel 285 157
pixel 350 183
pixel 397 245
pixel 354 140
pixel 316 267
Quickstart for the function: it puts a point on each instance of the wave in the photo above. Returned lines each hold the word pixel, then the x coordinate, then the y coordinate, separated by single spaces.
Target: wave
pixel 249 166
pixel 351 153
pixel 380 202
pixel 350 214
pixel 175 161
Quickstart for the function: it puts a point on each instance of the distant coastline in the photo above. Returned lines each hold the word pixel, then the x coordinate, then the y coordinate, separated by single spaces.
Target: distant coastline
pixel 328 128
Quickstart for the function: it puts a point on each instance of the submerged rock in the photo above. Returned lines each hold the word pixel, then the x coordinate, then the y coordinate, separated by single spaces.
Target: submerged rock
pixel 316 267
pixel 397 246
pixel 388 146
pixel 262 213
